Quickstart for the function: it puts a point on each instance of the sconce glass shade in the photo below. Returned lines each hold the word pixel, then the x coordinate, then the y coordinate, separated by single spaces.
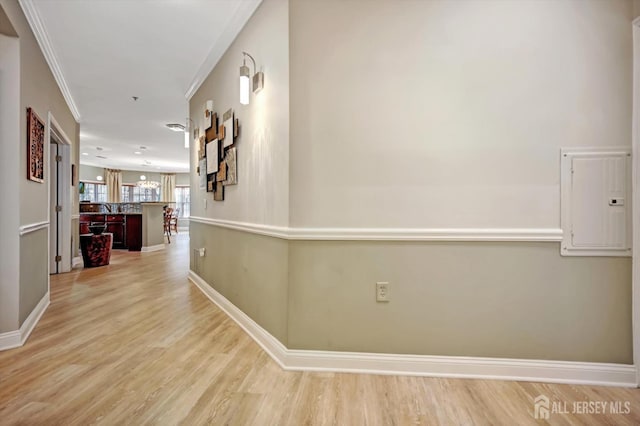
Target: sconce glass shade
pixel 188 128
pixel 244 85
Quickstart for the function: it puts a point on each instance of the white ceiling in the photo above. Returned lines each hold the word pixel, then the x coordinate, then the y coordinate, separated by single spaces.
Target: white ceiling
pixel 108 51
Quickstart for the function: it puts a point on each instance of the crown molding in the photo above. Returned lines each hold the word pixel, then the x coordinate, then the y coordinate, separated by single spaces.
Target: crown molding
pixel 40 32
pixel 238 20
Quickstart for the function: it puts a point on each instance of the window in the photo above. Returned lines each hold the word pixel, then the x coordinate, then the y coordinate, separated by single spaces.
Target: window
pixel 183 200
pixel 94 192
pixel 135 194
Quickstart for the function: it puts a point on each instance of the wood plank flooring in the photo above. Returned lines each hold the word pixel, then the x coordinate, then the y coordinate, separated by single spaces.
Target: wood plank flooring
pixel 136 343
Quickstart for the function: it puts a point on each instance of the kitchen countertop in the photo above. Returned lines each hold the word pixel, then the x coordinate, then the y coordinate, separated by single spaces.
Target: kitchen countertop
pixel 112 214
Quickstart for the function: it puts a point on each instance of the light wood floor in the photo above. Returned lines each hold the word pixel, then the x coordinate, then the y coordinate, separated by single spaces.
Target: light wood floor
pixel 136 343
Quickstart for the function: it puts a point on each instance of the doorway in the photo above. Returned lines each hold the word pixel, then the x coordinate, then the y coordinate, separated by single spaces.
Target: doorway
pixel 60 199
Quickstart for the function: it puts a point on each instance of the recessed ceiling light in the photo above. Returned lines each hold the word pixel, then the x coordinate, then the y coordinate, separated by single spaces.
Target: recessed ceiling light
pixel 137 152
pixel 85 153
pixel 176 127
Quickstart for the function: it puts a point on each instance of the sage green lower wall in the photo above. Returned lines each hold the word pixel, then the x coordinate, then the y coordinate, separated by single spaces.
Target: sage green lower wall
pixel 34 278
pixel 503 300
pixel 248 269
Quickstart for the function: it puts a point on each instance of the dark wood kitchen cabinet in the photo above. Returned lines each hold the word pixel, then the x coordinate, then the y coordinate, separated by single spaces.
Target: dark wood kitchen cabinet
pixel 115 225
pixel 126 228
pixel 134 232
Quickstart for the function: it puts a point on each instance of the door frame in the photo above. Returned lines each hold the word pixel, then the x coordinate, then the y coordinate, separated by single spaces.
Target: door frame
pixel 65 195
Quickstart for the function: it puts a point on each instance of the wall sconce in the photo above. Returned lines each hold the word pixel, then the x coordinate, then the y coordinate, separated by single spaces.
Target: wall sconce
pixel 188 127
pixel 258 79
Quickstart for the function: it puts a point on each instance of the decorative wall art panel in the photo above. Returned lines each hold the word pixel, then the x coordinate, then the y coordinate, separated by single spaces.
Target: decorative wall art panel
pixel 218 195
pixel 230 161
pixel 222 172
pixel 211 182
pixel 208 119
pixel 203 173
pixel 228 128
pixel 201 147
pixel 212 132
pixel 213 159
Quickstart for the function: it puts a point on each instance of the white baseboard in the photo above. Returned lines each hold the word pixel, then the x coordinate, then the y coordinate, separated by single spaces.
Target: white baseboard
pixel 270 344
pixel 586 373
pixel 153 248
pixel 76 261
pixel 10 340
pixel 16 338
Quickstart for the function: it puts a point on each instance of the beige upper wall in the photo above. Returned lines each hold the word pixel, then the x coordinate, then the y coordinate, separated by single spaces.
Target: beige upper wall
pixel 38 90
pixel 262 192
pixel 5 25
pixel 450 113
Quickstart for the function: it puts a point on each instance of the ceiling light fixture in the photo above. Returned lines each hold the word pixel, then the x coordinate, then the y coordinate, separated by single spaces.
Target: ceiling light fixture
pixel 85 153
pixel 175 127
pixel 99 178
pixel 258 79
pixel 137 152
pixel 147 184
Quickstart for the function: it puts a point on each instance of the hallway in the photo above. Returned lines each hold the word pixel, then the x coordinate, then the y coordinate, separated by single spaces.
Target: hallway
pixel 136 343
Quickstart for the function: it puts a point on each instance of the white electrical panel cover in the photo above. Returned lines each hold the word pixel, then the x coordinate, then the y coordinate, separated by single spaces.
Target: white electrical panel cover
pixel 596 202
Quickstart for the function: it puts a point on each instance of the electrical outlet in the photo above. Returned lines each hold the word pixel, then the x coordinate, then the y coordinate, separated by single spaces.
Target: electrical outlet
pixel 382 292
pixel 202 251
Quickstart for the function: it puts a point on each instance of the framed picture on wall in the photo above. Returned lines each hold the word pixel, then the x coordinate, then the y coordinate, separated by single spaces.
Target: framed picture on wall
pixel 35 147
